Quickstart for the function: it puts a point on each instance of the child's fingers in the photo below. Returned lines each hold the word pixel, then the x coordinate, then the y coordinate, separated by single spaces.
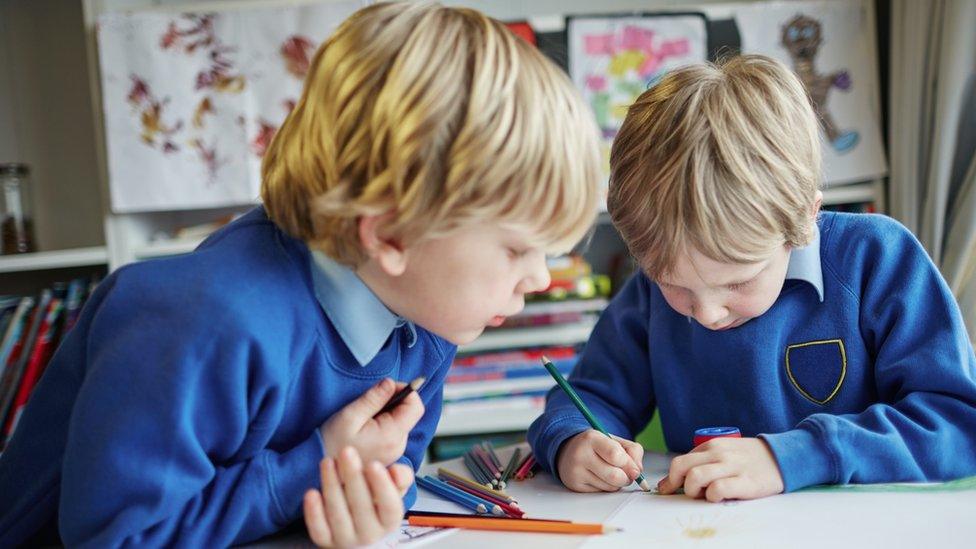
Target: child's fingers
pixel 612 476
pixel 336 510
pixel 729 488
pixel 359 499
pixel 699 478
pixel 402 476
pixel 314 511
pixel 613 453
pixel 679 468
pixel 409 412
pixel 362 409
pixel 386 496
pixel 634 450
pixel 596 479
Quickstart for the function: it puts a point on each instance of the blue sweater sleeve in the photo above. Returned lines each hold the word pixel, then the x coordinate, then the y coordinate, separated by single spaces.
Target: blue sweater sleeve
pixel 613 377
pixel 924 426
pixel 156 451
pixel 432 395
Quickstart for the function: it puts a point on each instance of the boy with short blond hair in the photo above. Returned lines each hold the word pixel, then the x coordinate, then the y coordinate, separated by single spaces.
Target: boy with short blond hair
pixel 410 199
pixel 830 340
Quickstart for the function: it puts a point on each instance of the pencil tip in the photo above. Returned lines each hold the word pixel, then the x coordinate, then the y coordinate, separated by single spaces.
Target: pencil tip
pixel 496 510
pixel 417 382
pixel 645 486
pixel 545 358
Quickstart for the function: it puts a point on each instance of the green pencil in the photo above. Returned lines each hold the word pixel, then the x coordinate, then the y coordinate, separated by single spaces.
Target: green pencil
pixel 594 422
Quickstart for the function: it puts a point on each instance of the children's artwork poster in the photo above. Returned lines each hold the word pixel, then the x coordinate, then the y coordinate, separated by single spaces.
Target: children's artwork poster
pixel 613 59
pixel 828 45
pixel 192 100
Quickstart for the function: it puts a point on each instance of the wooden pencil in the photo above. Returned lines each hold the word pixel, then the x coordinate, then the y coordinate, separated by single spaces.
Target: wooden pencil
pixel 511 525
pixel 397 398
pixel 510 468
pixel 590 418
pixel 477 471
pixel 444 474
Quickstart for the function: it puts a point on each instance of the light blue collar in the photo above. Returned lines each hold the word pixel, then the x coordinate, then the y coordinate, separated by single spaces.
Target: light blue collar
pixel 805 264
pixel 364 323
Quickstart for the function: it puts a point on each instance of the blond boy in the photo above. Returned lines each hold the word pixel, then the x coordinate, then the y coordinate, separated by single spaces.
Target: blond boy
pixel 830 340
pixel 409 201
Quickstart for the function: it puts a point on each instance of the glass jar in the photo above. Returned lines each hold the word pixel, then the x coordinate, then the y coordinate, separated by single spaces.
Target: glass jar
pixel 17 226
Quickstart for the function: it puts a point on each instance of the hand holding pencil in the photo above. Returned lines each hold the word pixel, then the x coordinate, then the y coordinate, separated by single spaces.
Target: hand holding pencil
pixel 594 460
pixel 368 424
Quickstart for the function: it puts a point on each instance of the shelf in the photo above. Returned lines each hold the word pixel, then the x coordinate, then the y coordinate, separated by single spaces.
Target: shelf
pixel 166 248
pixel 56 259
pixel 850 194
pixel 541 336
pixel 495 415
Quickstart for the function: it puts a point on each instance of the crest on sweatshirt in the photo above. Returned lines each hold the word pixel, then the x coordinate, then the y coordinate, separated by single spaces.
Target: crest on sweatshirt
pixel 817 368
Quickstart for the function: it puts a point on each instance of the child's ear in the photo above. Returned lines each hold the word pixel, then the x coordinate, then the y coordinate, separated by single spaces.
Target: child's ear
pixel 817 204
pixel 387 252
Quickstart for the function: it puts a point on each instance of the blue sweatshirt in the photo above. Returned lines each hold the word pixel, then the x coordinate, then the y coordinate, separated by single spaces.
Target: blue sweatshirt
pixel 184 408
pixel 875 383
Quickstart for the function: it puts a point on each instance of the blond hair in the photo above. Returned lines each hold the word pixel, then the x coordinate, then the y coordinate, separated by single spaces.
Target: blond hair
pixel 724 158
pixel 441 116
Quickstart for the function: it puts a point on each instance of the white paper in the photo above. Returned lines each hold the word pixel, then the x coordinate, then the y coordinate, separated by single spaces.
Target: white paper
pixel 815 519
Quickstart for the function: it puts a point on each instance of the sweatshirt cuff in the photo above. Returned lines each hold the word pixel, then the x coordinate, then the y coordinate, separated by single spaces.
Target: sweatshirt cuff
pixel 546 444
pixel 292 473
pixel 803 459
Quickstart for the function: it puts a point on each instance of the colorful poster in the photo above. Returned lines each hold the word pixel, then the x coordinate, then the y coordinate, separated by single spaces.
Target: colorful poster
pixel 612 60
pixel 830 45
pixel 192 100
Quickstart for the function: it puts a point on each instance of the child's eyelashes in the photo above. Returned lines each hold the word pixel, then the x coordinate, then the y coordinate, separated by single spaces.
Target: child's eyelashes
pixel 517 253
pixel 739 286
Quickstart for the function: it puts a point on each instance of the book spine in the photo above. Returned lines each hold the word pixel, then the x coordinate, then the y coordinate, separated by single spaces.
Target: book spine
pixel 35 365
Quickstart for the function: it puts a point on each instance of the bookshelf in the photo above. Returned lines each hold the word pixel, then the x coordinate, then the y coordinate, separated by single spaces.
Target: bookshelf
pixel 57 259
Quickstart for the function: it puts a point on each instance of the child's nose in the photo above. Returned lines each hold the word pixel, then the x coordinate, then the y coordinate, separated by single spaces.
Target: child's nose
pixel 709 314
pixel 538 278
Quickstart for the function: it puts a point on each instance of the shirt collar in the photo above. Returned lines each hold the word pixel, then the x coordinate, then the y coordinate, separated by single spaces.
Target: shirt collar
pixel 364 323
pixel 805 264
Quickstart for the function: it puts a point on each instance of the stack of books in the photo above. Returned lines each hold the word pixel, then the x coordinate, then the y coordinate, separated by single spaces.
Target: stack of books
pixel 497 383
pixel 31 328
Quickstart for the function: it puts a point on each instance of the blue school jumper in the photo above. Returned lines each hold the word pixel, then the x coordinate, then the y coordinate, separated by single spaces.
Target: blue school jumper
pixel 860 372
pixel 184 408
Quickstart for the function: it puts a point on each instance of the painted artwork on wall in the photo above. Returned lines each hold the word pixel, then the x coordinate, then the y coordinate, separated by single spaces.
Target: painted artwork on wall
pixel 192 100
pixel 830 45
pixel 613 59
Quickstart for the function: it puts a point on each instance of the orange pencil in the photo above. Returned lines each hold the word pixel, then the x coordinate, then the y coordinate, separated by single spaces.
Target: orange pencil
pixel 512 525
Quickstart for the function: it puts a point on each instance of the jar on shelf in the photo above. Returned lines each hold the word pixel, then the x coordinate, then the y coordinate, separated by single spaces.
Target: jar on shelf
pixel 16 220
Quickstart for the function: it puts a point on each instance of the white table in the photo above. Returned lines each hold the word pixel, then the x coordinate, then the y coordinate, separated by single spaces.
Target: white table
pixel 881 517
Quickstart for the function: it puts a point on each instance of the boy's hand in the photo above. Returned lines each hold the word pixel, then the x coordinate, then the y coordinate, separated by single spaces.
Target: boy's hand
pixel 359 504
pixel 382 439
pixel 725 468
pixel 591 462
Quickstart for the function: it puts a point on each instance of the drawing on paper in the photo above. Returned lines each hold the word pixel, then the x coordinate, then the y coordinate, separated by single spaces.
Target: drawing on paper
pixel 802 37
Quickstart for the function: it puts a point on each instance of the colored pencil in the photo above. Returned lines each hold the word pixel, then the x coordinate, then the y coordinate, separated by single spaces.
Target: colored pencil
pixel 476 471
pixel 592 419
pixel 398 397
pixel 438 514
pixel 505 506
pixel 526 468
pixel 491 454
pixel 444 474
pixel 510 468
pixel 511 525
pixel 483 456
pixel 485 471
pixel 446 488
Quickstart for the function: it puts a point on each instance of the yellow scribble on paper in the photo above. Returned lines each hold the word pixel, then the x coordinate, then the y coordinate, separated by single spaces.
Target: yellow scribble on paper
pixel 700 533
